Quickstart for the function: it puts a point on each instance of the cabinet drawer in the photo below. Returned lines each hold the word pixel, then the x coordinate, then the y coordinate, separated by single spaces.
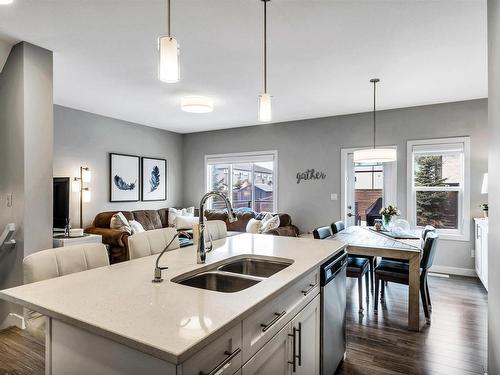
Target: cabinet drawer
pixel 273 358
pixel 262 325
pixel 221 357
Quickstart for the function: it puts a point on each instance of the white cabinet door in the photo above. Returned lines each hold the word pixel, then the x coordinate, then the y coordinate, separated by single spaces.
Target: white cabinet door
pixel 307 338
pixel 484 254
pixel 273 358
pixel 478 254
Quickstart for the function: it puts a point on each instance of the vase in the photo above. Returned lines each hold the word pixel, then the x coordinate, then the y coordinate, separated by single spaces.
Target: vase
pixel 485 213
pixel 387 222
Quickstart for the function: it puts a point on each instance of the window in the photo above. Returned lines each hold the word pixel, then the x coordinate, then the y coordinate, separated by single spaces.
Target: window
pixel 438 183
pixel 247 179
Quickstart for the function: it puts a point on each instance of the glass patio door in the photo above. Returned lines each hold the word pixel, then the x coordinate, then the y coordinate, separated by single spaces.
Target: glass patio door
pixel 367 188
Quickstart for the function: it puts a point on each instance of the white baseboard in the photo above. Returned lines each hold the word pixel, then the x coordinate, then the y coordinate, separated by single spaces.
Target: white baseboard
pixel 13 320
pixel 454 271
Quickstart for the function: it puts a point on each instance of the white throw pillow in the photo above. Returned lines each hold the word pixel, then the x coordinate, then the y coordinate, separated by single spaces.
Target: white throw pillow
pixel 136 227
pixel 120 222
pixel 185 222
pixel 254 226
pixel 173 213
pixel 270 223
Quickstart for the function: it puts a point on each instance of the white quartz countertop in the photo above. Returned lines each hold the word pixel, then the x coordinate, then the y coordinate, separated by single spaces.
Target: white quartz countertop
pixel 168 320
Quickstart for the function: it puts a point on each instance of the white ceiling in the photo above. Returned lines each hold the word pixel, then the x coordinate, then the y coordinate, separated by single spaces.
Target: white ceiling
pixel 322 54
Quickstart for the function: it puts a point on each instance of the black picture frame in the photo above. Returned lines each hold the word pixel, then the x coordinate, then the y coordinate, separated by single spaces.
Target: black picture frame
pixel 161 193
pixel 127 175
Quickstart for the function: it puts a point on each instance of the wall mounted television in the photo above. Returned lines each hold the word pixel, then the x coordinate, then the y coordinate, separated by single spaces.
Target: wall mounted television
pixel 60 202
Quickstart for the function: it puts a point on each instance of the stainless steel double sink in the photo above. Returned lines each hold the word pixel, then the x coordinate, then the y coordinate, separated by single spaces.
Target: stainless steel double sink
pixel 234 274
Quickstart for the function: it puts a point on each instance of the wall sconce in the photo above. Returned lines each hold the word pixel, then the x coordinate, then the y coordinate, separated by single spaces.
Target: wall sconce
pixel 77 187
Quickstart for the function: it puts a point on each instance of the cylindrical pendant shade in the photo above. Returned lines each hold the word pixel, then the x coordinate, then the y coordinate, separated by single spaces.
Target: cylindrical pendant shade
pixel 484 187
pixel 86 195
pixel 76 185
pixel 168 59
pixel 86 174
pixel 265 112
pixel 375 155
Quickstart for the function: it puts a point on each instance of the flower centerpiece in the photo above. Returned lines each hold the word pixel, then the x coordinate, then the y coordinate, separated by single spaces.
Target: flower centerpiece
pixel 387 214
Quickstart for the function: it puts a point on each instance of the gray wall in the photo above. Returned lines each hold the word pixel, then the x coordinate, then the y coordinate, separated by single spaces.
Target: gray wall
pixel 26 127
pixel 494 188
pixel 317 143
pixel 86 139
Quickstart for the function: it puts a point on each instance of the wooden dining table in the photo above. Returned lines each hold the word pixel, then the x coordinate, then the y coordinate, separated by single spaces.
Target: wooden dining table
pixel 365 241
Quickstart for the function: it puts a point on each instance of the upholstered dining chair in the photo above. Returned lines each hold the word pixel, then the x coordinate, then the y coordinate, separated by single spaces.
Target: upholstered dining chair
pixel 357 267
pixel 52 263
pixel 216 229
pixel 398 272
pixel 339 226
pixel 321 233
pixel 152 242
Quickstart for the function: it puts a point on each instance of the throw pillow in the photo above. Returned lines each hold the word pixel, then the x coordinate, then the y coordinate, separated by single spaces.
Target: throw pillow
pixel 270 223
pixel 173 213
pixel 136 227
pixel 120 222
pixel 185 222
pixel 254 226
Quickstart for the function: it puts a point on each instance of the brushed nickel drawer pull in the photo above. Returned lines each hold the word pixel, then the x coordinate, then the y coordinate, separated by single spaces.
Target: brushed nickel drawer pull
pixel 306 292
pixel 224 363
pixel 277 317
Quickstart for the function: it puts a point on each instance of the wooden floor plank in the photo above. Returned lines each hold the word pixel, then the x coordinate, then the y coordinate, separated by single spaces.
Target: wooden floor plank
pixel 454 343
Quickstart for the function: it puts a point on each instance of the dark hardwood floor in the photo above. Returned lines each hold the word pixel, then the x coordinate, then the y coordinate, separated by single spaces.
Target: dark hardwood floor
pixel 455 342
pixel 20 353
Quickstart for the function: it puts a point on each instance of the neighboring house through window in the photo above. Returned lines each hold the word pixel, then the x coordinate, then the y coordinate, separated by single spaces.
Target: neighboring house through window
pixel 247 179
pixel 438 185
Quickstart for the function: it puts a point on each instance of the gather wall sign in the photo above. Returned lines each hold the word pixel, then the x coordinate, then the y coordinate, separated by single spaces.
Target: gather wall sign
pixel 310 174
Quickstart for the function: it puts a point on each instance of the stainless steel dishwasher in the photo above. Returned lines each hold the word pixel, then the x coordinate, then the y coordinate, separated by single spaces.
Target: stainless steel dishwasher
pixel 333 313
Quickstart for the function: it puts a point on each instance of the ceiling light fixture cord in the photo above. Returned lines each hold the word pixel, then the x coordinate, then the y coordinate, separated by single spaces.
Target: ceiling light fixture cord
pixel 168 18
pixel 265 46
pixel 374 81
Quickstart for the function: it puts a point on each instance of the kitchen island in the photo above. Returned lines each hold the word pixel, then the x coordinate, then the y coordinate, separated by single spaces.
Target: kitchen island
pixel 114 320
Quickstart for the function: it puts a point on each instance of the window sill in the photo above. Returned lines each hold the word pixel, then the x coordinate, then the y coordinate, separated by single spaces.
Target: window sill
pixel 453 237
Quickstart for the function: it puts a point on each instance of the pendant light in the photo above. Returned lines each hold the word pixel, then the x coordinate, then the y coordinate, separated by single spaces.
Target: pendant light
pixel 265 113
pixel 168 48
pixel 375 155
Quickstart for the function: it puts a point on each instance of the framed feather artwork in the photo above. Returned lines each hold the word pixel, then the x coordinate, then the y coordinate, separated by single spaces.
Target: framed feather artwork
pixel 154 179
pixel 124 178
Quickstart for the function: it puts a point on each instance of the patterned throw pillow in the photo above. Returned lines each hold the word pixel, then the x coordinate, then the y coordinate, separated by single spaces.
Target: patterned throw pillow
pixel 254 226
pixel 120 222
pixel 270 222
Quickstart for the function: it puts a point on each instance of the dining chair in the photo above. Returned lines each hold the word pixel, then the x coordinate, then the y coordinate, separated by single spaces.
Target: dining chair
pixel 321 233
pixel 398 272
pixel 152 242
pixel 339 226
pixel 52 263
pixel 216 229
pixel 357 266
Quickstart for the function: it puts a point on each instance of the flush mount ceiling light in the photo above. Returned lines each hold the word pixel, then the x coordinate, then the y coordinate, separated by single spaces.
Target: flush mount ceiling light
pixel 265 112
pixel 5 2
pixel 168 48
pixel 197 104
pixel 375 155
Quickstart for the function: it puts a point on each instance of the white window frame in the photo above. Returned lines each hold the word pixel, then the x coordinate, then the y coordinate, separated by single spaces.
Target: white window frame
pixel 464 219
pixel 244 157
